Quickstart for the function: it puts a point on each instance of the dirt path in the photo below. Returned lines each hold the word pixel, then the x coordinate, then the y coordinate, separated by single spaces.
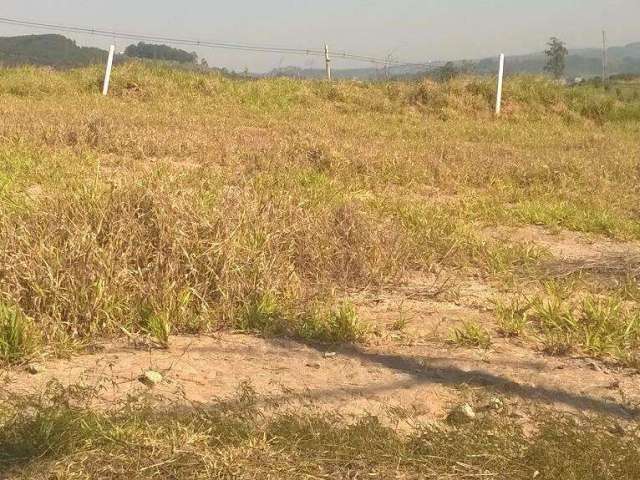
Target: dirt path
pixel 425 380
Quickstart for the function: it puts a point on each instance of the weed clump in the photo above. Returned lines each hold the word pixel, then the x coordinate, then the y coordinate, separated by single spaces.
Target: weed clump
pixel 263 314
pixel 471 334
pixel 452 99
pixel 604 327
pixel 513 318
pixel 159 328
pixel 19 338
pixel 266 315
pixel 340 324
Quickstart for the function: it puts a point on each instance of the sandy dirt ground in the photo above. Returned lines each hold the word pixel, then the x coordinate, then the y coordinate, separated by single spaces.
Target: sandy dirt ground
pixel 426 380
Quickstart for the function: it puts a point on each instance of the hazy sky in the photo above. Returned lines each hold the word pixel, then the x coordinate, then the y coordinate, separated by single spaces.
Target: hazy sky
pixel 414 30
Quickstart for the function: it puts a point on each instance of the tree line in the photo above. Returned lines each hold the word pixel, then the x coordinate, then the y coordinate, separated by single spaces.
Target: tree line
pixel 61 52
pixel 151 51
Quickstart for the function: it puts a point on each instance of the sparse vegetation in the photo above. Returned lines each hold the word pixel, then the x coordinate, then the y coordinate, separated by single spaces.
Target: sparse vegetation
pixel 400 324
pixel 604 326
pixel 189 203
pixel 228 203
pixel 57 435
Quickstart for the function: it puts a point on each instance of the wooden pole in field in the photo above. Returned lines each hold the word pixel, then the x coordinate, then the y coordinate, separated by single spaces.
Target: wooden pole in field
pixel 500 78
pixel 328 61
pixel 107 75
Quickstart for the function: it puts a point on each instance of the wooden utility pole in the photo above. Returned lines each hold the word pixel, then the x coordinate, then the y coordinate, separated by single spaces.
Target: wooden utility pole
pixel 328 61
pixel 604 58
pixel 389 61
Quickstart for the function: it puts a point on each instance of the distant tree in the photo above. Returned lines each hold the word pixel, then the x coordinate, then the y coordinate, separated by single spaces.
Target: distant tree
pixel 556 57
pixel 160 52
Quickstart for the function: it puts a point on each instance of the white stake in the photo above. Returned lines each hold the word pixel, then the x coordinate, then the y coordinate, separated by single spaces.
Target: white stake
pixel 328 61
pixel 500 77
pixel 107 75
pixel 604 58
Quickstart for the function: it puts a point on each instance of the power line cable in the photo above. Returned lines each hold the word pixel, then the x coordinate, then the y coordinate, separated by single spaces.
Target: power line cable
pixel 157 38
pixel 206 44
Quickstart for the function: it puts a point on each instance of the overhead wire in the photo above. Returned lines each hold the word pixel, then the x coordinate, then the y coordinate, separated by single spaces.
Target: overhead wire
pixel 208 44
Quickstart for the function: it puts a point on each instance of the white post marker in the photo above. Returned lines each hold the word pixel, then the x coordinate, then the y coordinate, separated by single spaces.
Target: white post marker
pixel 604 59
pixel 107 75
pixel 500 77
pixel 328 61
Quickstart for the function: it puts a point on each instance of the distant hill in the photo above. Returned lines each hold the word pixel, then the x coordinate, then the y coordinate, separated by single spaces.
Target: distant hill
pixel 586 62
pixel 52 50
pixel 61 52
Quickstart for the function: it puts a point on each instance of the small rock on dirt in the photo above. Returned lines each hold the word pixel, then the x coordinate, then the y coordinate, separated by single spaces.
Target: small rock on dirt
pixel 462 414
pixel 330 354
pixel 496 404
pixel 35 368
pixel 150 378
pixel 313 365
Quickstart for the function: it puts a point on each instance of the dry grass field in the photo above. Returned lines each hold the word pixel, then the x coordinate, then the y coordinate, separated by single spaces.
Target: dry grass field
pixel 399 225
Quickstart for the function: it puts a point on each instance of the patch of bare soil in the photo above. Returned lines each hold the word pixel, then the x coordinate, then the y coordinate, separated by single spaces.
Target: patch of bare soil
pixel 203 369
pixel 425 380
pixel 577 252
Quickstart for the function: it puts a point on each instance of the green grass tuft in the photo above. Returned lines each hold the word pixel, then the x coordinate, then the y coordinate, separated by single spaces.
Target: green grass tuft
pixel 339 325
pixel 19 338
pixel 512 318
pixel 471 334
